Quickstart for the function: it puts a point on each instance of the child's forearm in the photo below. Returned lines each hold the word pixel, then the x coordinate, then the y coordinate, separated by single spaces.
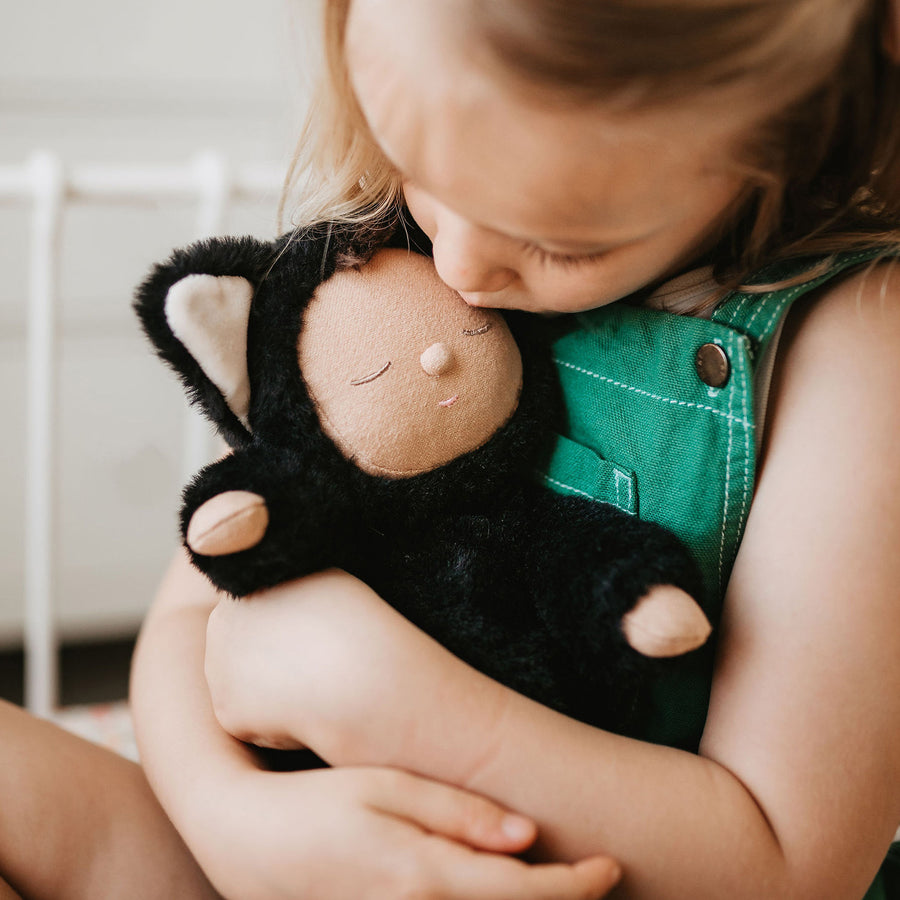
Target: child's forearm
pixel 451 723
pixel 182 745
pixel 681 825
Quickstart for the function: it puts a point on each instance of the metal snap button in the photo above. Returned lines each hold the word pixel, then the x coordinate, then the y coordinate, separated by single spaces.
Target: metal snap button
pixel 712 365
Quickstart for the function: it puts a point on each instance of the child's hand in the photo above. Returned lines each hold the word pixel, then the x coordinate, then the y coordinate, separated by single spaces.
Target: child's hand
pixel 324 662
pixel 380 833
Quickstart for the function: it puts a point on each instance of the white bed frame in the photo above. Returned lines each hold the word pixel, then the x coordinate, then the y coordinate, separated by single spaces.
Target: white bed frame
pixel 48 185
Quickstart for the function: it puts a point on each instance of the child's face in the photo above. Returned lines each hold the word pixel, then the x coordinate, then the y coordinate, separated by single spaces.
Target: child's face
pixel 531 205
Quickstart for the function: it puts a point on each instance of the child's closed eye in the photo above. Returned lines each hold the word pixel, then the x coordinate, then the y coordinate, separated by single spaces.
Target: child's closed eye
pixel 549 257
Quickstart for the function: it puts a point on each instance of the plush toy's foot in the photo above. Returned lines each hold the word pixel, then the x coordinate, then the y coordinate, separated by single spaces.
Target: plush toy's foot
pixel 666 622
pixel 228 523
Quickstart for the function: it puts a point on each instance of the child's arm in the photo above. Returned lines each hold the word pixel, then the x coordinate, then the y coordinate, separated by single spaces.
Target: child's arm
pixel 78 822
pixel 325 833
pixel 796 792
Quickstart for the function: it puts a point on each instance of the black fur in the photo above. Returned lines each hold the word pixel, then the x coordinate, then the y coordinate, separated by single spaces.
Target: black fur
pixel 526 585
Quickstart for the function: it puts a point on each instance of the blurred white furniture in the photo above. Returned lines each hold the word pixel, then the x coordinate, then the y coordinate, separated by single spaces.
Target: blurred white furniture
pixel 95 444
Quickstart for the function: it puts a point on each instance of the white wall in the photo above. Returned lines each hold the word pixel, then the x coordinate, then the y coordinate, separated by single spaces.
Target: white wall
pixel 123 82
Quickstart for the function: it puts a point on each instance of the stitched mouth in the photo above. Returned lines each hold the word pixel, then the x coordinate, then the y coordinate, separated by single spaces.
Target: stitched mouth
pixel 449 401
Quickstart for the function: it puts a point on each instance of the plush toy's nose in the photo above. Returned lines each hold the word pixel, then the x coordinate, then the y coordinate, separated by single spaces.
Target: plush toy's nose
pixel 437 359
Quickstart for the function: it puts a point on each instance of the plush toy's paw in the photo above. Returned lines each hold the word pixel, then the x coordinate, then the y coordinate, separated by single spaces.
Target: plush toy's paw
pixel 228 523
pixel 666 621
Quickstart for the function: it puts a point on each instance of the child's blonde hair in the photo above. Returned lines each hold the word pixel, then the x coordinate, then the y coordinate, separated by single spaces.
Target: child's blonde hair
pixel 822 160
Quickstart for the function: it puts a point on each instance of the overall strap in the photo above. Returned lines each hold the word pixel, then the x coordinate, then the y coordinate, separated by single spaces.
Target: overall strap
pixel 758 315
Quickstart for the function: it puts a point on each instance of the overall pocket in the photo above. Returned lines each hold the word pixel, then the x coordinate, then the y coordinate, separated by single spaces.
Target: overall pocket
pixel 576 469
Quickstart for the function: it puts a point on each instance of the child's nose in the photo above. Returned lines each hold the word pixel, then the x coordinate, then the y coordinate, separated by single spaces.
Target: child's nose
pixel 466 259
pixel 437 359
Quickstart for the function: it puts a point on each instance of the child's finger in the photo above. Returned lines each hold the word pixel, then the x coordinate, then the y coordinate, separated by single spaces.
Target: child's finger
pixel 452 812
pixel 493 877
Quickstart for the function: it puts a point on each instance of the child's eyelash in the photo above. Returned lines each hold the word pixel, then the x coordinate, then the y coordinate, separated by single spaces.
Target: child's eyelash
pixel 562 259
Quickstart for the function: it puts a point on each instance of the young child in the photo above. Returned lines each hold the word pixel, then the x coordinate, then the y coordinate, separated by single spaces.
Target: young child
pixel 733 170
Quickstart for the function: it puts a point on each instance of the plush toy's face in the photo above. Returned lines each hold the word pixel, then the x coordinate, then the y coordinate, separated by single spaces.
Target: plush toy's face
pixel 404 374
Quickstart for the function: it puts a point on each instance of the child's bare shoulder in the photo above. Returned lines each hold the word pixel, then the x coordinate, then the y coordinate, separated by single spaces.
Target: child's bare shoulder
pixel 833 421
pixel 855 320
pixel 837 373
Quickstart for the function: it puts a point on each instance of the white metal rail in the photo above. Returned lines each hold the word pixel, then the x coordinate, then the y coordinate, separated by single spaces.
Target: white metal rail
pixel 49 187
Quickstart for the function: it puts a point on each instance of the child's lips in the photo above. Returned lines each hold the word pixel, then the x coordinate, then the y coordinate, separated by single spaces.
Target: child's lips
pixel 449 401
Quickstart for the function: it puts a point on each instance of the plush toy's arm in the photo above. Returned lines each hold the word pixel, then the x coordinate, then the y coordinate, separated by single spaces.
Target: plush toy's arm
pixel 252 521
pixel 195 309
pixel 626 579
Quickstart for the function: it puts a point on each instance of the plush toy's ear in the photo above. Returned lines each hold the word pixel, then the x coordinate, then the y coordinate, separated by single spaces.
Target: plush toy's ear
pixel 195 309
pixel 209 314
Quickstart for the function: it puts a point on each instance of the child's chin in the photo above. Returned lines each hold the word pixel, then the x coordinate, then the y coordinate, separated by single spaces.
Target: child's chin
pixel 479 300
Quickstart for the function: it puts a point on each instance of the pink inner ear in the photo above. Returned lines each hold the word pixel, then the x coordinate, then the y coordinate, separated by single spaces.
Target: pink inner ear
pixel 209 315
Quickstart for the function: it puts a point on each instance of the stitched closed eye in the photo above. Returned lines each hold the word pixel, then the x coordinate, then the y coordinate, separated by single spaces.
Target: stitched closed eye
pixel 372 375
pixel 482 330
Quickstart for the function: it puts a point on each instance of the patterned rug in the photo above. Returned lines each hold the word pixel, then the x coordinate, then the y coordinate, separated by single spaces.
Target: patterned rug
pixel 108 724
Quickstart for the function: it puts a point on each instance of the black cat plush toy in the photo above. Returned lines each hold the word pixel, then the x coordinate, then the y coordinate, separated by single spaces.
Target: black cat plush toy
pixel 381 425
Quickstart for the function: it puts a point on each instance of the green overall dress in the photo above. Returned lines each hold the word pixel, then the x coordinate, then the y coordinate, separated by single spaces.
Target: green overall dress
pixel 662 423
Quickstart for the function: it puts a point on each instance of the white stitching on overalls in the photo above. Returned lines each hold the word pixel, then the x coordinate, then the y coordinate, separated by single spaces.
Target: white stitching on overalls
pixel 745 299
pixel 622 478
pixel 575 490
pixel 846 262
pixel 775 314
pixel 727 497
pixel 759 299
pixel 671 400
pixel 758 310
pixel 740 374
pixel 748 475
